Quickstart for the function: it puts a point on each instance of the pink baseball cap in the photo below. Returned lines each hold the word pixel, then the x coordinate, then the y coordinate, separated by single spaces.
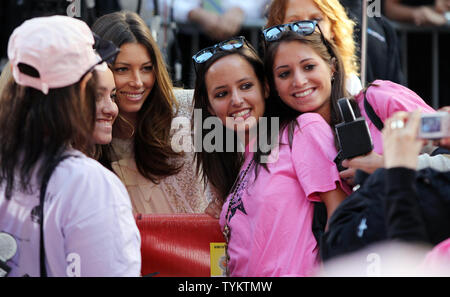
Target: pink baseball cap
pixel 60 48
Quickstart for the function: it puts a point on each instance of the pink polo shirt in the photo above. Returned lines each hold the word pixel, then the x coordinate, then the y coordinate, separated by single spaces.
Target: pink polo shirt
pixel 386 98
pixel 271 217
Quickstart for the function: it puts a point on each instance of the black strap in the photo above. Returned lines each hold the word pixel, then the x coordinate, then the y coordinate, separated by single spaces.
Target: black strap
pixel 372 114
pixel 45 180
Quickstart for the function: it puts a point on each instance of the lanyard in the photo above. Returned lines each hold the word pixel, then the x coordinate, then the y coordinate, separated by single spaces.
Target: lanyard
pixel 227 229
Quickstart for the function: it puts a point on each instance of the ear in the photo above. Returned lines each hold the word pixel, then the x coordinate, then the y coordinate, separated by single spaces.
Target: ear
pixel 333 65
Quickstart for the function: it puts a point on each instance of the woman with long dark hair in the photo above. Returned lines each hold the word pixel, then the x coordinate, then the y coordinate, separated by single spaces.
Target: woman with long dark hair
pixel 158 178
pixel 267 195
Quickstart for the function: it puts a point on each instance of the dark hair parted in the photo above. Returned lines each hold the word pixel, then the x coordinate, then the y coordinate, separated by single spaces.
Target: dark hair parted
pixel 329 54
pixel 222 168
pixel 152 149
pixel 36 129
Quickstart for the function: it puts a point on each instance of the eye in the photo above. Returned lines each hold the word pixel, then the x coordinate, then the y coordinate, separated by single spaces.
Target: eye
pixel 113 95
pixel 220 94
pixel 310 67
pixel 148 68
pixel 98 97
pixel 283 74
pixel 247 86
pixel 120 69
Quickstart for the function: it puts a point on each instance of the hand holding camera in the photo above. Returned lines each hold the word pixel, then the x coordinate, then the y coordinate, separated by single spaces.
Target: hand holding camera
pixel 400 142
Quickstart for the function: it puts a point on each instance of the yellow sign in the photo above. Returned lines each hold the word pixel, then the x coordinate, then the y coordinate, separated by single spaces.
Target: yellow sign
pixel 218 263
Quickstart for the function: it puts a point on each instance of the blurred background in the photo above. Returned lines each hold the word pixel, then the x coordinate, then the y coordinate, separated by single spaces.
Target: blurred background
pixel 422 31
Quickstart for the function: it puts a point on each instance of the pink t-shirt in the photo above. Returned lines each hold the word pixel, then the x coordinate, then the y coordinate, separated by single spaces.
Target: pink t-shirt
pixel 386 98
pixel 271 217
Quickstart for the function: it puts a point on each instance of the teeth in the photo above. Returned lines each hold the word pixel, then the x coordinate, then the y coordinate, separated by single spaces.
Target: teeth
pixel 134 96
pixel 241 113
pixel 303 94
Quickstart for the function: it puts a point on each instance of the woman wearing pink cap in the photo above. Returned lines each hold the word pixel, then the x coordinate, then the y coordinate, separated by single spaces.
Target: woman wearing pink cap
pixel 158 179
pixel 61 212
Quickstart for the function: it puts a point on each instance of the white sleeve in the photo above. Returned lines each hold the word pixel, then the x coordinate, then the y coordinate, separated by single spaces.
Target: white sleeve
pixel 252 9
pixel 181 9
pixel 438 162
pixel 98 227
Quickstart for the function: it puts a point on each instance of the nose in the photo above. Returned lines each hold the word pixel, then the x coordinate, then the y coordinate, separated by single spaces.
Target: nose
pixel 110 108
pixel 236 98
pixel 300 78
pixel 136 79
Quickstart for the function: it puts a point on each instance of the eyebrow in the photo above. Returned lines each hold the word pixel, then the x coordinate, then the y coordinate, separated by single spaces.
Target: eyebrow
pixel 297 17
pixel 239 81
pixel 285 66
pixel 128 64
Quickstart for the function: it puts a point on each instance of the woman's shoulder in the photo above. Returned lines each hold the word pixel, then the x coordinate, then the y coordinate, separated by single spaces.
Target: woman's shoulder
pixel 385 94
pixel 310 119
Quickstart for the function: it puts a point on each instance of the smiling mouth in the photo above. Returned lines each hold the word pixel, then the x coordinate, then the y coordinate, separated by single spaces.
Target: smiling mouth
pixel 303 93
pixel 133 96
pixel 241 114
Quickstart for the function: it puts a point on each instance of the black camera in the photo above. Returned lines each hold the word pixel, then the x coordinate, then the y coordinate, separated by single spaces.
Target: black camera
pixel 353 134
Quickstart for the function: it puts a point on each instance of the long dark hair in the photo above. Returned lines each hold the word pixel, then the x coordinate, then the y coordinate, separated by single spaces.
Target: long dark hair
pixel 222 168
pixel 152 149
pixel 327 51
pixel 37 129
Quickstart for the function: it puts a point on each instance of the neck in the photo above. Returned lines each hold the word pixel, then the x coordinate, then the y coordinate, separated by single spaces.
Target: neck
pixel 325 112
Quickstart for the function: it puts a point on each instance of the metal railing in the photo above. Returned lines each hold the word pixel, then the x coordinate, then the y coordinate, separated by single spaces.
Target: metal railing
pixel 403 29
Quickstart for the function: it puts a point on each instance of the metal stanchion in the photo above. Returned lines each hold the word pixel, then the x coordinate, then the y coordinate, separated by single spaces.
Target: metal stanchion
pixel 363 43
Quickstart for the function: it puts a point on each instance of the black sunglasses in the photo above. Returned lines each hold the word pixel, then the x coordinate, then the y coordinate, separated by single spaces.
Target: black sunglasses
pixel 228 45
pixel 106 49
pixel 304 28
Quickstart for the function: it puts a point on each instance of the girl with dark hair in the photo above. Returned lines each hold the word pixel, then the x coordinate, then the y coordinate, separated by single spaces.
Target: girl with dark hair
pixel 61 208
pixel 268 215
pixel 306 87
pixel 158 179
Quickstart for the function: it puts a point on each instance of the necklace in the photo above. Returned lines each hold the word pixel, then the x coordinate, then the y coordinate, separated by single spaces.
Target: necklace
pixel 227 230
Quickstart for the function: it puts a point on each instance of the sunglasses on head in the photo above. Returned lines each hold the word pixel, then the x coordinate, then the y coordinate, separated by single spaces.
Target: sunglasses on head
pixel 228 45
pixel 106 49
pixel 304 28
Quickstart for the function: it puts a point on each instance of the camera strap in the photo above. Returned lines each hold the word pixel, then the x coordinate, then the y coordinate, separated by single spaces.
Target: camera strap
pixel 374 118
pixel 45 180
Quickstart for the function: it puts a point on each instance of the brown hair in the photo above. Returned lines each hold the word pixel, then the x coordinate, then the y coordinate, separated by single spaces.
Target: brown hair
pixel 328 52
pixel 37 127
pixel 152 149
pixel 222 168
pixel 341 26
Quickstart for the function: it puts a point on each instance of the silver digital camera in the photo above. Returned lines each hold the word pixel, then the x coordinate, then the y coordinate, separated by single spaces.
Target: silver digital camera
pixel 434 125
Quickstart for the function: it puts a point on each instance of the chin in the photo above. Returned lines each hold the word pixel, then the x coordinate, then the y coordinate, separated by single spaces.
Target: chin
pixel 102 140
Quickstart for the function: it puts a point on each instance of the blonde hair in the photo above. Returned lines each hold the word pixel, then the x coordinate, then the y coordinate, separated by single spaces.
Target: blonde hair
pixel 341 26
